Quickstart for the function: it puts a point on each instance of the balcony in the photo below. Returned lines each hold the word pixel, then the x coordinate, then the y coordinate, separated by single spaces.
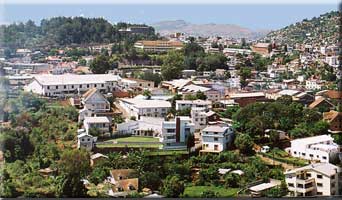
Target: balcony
pixel 305 181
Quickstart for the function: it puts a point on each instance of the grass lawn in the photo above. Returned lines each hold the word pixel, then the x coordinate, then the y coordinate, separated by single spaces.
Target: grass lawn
pixel 136 142
pixel 196 191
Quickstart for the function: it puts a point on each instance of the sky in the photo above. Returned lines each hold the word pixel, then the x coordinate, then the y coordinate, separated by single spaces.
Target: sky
pixel 259 15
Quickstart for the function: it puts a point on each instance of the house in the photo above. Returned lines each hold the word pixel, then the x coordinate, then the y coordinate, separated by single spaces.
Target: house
pixel 320 148
pixel 158 45
pixel 245 98
pixel 321 179
pixel 265 149
pixel 185 104
pixel 211 94
pixel 94 103
pixel 176 84
pixel 143 107
pixel 334 118
pixel 97 158
pixel 86 141
pixel 122 182
pixel 314 84
pixel 260 189
pixel 321 104
pixel 145 126
pixel 102 124
pixel 71 84
pixel 129 83
pixel 262 48
pixel 198 117
pixel 175 133
pixel 216 138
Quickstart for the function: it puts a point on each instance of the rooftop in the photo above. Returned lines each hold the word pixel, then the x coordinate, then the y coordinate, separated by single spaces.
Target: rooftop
pixel 66 79
pixel 217 129
pixel 96 120
pixel 324 168
pixel 313 140
pixel 142 103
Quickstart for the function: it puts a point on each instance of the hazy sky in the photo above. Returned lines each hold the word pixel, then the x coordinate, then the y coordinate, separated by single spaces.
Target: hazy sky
pixel 256 16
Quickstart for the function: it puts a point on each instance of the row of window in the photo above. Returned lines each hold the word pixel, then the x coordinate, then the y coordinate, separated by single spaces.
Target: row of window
pixel 311 155
pixel 72 86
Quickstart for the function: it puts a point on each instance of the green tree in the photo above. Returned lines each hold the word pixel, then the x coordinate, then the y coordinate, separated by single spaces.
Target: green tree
pixel 232 180
pixel 244 143
pixel 244 74
pixel 147 94
pixel 172 186
pixel 209 194
pixel 73 166
pixel 173 65
pixel 201 95
pixel 190 141
pixel 100 64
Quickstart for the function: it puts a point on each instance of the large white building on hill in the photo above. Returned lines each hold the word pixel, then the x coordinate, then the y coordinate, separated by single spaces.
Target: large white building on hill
pixel 71 84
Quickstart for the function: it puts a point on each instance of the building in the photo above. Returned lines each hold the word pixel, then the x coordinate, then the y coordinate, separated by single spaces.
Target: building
pixel 314 84
pixel 260 189
pixel 158 45
pixel 136 30
pixel 198 117
pixel 175 133
pixel 211 94
pixel 145 126
pixel 102 124
pixel 322 179
pixel 189 104
pixel 129 83
pixel 143 107
pixel 334 118
pixel 122 183
pixel 216 138
pixel 71 84
pixel 262 48
pixel 93 103
pixel 318 148
pixel 245 98
pixel 86 141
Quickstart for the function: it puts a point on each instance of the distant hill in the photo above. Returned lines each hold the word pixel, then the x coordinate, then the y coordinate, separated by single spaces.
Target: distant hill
pixel 318 30
pixel 204 30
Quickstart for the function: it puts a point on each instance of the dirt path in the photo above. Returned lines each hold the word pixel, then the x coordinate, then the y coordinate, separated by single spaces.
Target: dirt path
pixel 275 162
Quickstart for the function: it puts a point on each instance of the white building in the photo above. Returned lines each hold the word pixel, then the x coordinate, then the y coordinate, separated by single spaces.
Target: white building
pixel 142 107
pixel 71 84
pixel 101 123
pixel 216 138
pixel 175 133
pixel 145 126
pixel 184 104
pixel 198 117
pixel 93 102
pixel 321 148
pixel 86 141
pixel 322 179
pixel 314 84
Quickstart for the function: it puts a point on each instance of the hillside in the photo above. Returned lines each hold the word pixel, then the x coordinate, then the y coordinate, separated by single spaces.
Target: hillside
pixel 318 30
pixel 204 30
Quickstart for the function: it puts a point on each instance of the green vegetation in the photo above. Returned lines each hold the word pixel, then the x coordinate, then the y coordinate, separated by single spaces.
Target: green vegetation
pixel 197 191
pixel 131 142
pixel 282 156
pixel 66 31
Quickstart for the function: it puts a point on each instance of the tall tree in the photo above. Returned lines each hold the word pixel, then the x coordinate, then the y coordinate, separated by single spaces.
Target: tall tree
pixel 173 65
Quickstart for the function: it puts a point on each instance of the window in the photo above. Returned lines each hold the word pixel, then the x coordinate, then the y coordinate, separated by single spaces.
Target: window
pixel 308 175
pixel 291 185
pixel 319 184
pixel 311 155
pixel 333 177
pixel 64 86
pixel 87 85
pixel 295 152
pixel 80 86
pixel 72 86
pixel 303 154
pixel 48 87
pixel 102 85
pixel 215 139
pixel 319 176
pixel 319 193
pixel 324 157
pixel 95 85
pixel 56 86
pixel 332 185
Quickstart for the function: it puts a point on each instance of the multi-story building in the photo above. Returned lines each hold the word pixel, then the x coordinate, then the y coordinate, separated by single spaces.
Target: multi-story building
pixel 319 148
pixel 86 141
pixel 102 124
pixel 141 107
pixel 323 179
pixel 184 104
pixel 198 117
pixel 174 133
pixel 158 45
pixel 94 103
pixel 216 138
pixel 128 83
pixel 210 93
pixel 71 84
